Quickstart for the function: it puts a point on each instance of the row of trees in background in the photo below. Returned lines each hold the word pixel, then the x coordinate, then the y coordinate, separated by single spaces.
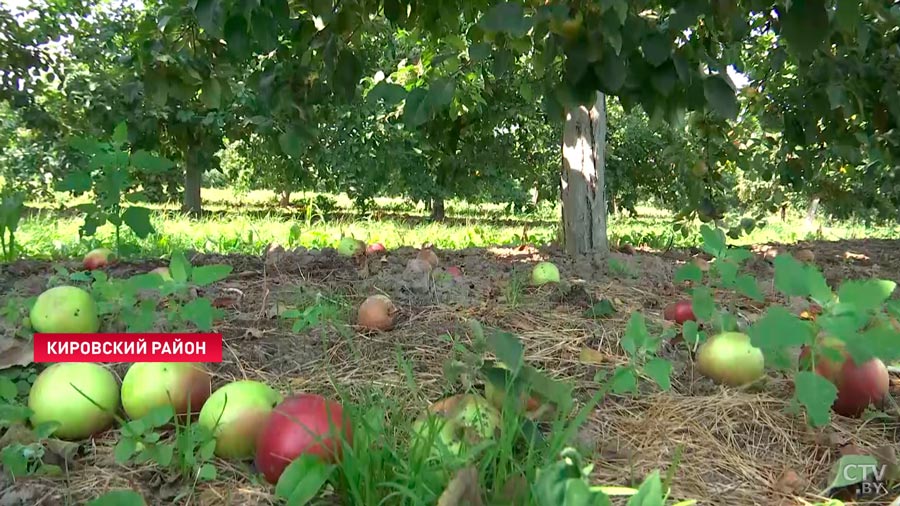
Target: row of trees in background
pixel 468 99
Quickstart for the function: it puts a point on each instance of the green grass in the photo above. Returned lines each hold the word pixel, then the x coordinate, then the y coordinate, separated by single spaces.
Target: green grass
pixel 246 223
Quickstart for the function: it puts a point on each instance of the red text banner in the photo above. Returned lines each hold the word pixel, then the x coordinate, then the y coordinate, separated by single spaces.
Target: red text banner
pixel 127 348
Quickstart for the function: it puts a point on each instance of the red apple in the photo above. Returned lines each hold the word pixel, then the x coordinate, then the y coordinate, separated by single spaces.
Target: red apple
pixel 374 249
pixel 303 424
pixel 454 271
pixel 679 312
pixel 859 386
pixel 97 258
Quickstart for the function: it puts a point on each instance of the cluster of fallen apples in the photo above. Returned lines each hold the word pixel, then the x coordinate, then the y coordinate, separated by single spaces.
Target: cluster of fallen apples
pixel 729 358
pixel 247 418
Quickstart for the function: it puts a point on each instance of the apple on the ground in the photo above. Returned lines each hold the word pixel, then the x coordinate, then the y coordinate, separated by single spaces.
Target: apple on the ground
pixel 456 423
pixel 149 385
pixel 545 272
pixel 65 310
pixel 97 258
pixel 350 247
pixel 55 397
pixel 235 414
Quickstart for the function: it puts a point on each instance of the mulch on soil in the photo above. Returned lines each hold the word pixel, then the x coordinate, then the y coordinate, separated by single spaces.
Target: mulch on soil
pixel 737 447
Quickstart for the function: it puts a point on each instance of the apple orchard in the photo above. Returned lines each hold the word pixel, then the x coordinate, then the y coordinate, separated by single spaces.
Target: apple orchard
pixel 397 252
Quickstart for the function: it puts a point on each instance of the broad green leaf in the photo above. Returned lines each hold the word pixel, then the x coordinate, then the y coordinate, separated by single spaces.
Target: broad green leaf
pixel 204 275
pixel 792 278
pixel 138 220
pixel 211 94
pixel 611 71
pixel 392 94
pixel 816 394
pixel 148 162
pixel 347 72
pixel 119 498
pixel 721 97
pixel 884 342
pixel 778 329
pixel 636 334
pixel 302 480
pixel 440 94
pixel 159 416
pixel 179 267
pixel 120 134
pixel 237 36
pixel 506 17
pixel 689 331
pixel 650 492
pixel 601 309
pixel 727 272
pixel 660 371
pixel 847 15
pixel 125 449
pixel 853 470
pixel 207 12
pixel 293 141
pixel 657 48
pixel 201 313
pixel 866 295
pixel 748 286
pixel 76 182
pixel 415 109
pixel 805 26
pixel 702 303
pixel 162 454
pixel 8 389
pixel 713 240
pixel 207 472
pixel 508 348
pixel 689 272
pixel 624 380
pixel 480 51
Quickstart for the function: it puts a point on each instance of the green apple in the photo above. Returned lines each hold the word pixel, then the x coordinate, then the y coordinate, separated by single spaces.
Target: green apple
pixel 53 398
pixel 350 247
pixel 65 310
pixel 149 385
pixel 235 414
pixel 455 423
pixel 545 272
pixel 730 358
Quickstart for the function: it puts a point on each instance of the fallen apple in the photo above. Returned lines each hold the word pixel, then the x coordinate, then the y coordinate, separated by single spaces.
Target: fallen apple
pixel 55 397
pixel 496 391
pixel 149 385
pixel 456 423
pixel 235 414
pixel 731 359
pixel 805 255
pixel 377 312
pixel 545 272
pixel 428 255
pixel 350 247
pixel 858 386
pixel 65 310
pixel 97 258
pixel 376 248
pixel 454 271
pixel 679 312
pixel 303 424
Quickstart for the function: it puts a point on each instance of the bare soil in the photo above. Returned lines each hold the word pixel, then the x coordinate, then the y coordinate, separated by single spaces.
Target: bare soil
pixel 738 447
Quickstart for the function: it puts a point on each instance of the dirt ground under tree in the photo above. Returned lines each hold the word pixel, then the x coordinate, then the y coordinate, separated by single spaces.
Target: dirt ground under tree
pixel 738 447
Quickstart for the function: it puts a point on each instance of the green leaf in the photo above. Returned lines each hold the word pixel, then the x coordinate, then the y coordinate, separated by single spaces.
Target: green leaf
pixel 125 449
pixel 204 275
pixel 508 348
pixel 302 479
pixel 201 313
pixel 138 220
pixel 866 295
pixel 795 279
pixel 440 94
pixel 237 36
pixel 657 48
pixel 776 331
pixel 8 389
pixel 660 371
pixel 636 334
pixel 207 15
pixel 689 272
pixel 805 26
pixel 148 162
pixel 119 498
pixel 721 97
pixel 611 71
pixel 816 394
pixel 211 94
pixel 480 51
pixel 162 454
pixel 713 240
pixel 207 472
pixel 293 141
pixel 702 302
pixel 120 134
pixel 650 492
pixel 689 332
pixel 159 416
pixel 601 309
pixel 415 109
pixel 207 449
pixel 747 285
pixel 179 267
pixel 347 72
pixel 391 94
pixel 853 470
pixel 883 342
pixel 76 182
pixel 624 380
pixel 847 15
pixel 506 17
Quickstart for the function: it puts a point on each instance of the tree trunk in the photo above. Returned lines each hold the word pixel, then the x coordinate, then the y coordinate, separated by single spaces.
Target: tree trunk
pixel 811 212
pixel 285 198
pixel 193 180
pixel 784 212
pixel 437 209
pixel 583 180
